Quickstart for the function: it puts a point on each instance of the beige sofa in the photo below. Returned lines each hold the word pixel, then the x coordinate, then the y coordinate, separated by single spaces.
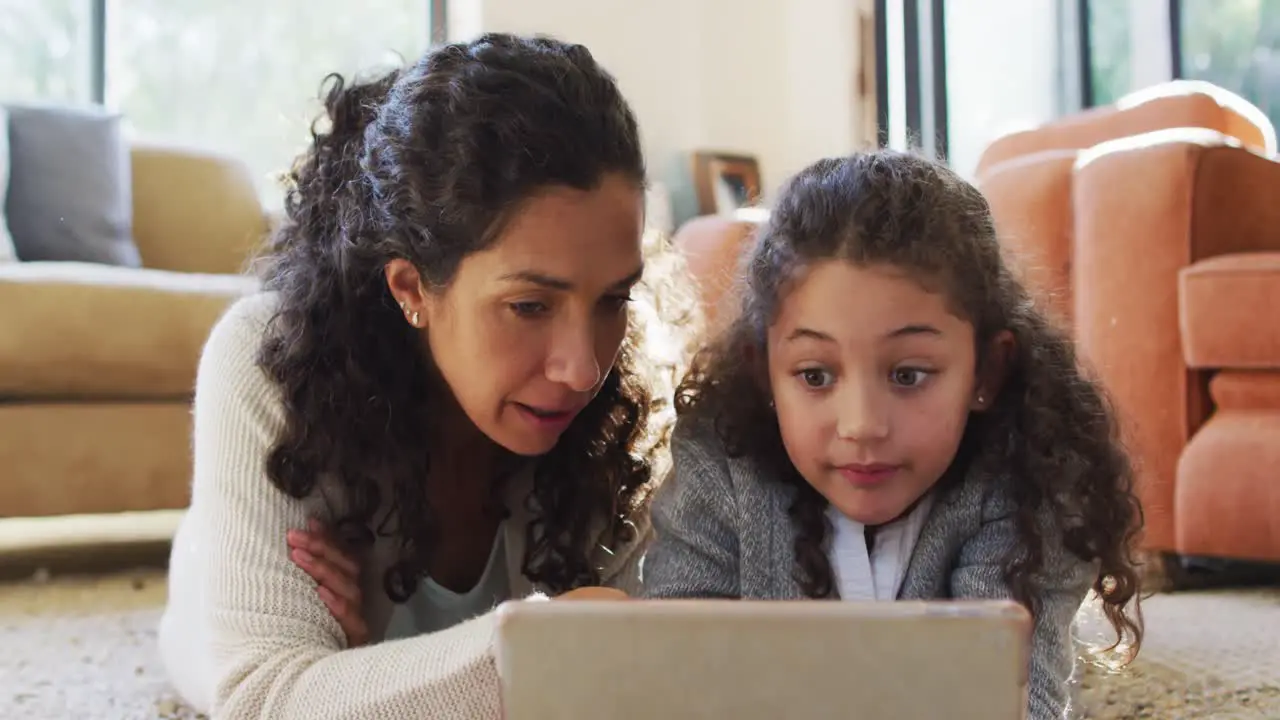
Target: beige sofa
pixel 97 363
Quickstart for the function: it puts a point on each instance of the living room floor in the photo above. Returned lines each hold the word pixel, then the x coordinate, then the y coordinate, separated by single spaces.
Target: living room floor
pixel 83 646
pixel 1207 654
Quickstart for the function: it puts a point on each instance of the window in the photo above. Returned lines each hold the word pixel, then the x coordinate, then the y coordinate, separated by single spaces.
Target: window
pixel 1230 43
pixel 1110 53
pixel 1013 64
pixel 45 50
pixel 237 76
pixel 998 87
pixel 244 76
pixel 962 73
pixel 1234 44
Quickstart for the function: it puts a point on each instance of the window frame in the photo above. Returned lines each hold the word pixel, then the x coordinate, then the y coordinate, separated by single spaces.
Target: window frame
pixel 925 68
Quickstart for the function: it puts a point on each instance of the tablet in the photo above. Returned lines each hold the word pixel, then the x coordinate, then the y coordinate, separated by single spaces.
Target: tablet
pixel 763 660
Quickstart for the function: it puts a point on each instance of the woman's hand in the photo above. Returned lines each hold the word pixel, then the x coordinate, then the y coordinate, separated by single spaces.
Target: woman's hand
pixel 593 593
pixel 317 552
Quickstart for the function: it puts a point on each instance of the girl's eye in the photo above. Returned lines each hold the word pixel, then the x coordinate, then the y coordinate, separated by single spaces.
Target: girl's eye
pixel 528 309
pixel 908 377
pixel 815 377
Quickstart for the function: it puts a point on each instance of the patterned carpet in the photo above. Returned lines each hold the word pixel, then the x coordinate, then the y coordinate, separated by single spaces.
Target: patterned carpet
pixel 1208 654
pixel 84 648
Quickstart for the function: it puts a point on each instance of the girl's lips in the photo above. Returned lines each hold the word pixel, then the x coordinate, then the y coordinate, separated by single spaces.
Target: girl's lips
pixel 869 475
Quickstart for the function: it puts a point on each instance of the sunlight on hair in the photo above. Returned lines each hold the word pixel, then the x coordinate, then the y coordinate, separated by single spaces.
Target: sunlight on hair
pixel 1096 641
pixel 666 312
pixel 666 288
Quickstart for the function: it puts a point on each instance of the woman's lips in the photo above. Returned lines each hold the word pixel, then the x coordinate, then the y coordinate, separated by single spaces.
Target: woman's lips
pixel 548 418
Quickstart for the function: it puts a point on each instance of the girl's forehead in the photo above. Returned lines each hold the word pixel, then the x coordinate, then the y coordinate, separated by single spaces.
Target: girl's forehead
pixel 839 299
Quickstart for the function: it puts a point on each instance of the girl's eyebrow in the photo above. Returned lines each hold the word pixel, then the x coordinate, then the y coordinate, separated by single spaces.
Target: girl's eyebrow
pixel 910 330
pixel 904 331
pixel 809 333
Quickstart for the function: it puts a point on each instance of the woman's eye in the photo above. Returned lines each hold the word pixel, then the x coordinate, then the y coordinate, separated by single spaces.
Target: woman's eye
pixel 815 377
pixel 616 302
pixel 528 309
pixel 909 377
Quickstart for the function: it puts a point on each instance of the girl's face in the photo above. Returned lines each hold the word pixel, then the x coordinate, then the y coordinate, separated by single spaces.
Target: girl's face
pixel 530 327
pixel 873 379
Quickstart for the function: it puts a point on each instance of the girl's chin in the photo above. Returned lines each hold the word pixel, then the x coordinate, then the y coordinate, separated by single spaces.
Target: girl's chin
pixel 869 510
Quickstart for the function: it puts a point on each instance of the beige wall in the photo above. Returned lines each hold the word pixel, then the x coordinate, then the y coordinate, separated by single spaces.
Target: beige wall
pixel 771 78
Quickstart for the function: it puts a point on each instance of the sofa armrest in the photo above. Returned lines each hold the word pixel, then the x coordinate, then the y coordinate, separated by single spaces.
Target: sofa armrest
pixel 1144 208
pixel 1219 302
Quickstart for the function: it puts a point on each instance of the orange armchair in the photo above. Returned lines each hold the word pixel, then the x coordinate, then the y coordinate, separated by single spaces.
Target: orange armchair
pixel 1156 236
pixel 712 246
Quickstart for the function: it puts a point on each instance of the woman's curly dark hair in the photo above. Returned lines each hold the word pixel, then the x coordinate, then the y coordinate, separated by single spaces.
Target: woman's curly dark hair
pixel 1050 427
pixel 425 164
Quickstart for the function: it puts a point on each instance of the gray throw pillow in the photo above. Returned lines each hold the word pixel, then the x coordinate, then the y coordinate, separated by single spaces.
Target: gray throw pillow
pixel 7 252
pixel 69 197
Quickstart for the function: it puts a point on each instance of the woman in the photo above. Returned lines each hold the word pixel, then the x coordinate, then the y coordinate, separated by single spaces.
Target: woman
pixel 444 370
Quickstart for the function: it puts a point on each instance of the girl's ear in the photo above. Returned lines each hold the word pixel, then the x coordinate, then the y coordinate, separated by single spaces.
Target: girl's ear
pixel 756 359
pixel 993 370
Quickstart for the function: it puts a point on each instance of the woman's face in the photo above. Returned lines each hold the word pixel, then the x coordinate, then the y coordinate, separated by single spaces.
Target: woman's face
pixel 530 327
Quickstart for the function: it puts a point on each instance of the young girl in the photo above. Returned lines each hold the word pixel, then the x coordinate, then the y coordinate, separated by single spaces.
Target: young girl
pixel 891 417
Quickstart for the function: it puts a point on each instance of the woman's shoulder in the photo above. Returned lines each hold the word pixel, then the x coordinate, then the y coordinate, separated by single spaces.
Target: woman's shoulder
pixel 229 381
pixel 244 321
pixel 234 341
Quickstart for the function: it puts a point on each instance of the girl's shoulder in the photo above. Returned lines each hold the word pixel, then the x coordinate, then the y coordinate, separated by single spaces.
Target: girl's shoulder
pixel 697 435
pixel 697 450
pixel 982 501
pixel 703 465
pixel 979 494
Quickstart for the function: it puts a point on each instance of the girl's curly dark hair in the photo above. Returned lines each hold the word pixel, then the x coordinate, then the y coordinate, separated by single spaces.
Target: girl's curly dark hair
pixel 1050 427
pixel 426 163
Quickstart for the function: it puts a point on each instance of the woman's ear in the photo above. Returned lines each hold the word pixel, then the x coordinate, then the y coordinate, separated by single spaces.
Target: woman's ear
pixel 405 284
pixel 993 370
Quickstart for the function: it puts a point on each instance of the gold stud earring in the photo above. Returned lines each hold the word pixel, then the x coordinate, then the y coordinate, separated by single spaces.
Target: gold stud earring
pixel 414 319
pixel 981 400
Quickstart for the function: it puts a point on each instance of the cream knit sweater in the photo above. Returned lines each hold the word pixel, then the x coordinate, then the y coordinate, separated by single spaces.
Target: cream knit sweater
pixel 244 634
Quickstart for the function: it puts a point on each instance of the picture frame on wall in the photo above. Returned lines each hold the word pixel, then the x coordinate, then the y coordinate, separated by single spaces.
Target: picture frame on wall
pixel 725 182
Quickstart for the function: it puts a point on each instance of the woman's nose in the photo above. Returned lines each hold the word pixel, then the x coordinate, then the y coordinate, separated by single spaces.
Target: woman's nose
pixel 573 362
